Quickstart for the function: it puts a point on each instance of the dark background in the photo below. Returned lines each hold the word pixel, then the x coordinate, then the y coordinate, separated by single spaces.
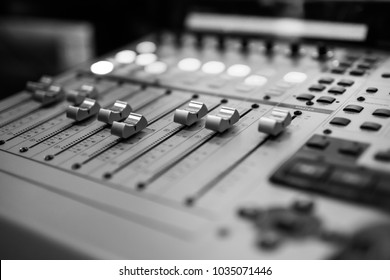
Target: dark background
pixel 117 22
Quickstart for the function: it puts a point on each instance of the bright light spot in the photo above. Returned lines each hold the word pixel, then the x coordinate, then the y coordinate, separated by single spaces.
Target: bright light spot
pixel 255 80
pixel 156 68
pixel 125 57
pixel 189 64
pixel 213 67
pixel 102 67
pixel 239 70
pixel 145 59
pixel 146 47
pixel 295 77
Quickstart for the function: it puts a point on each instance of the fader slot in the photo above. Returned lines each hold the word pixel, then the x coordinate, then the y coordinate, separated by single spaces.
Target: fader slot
pixel 158 104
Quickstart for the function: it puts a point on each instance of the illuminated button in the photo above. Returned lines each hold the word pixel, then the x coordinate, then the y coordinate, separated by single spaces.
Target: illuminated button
pixel 156 68
pixel 102 67
pixel 310 170
pixel 133 124
pixel 88 108
pixel 119 111
pixel 77 96
pixel 146 47
pixel 213 67
pixel 189 64
pixel 145 59
pixel 276 122
pixel 225 119
pixel 255 80
pixel 238 70
pixel 48 96
pixel 351 178
pixel 125 56
pixel 191 114
pixel 295 77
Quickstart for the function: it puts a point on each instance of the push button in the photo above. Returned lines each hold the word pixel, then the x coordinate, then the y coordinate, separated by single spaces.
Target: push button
pixel 349 178
pixel 357 72
pixel 351 149
pixel 371 90
pixel 310 170
pixel 326 99
pixel 383 156
pixel 340 121
pixel 353 109
pixel 318 87
pixel 370 126
pixel 318 142
pixel 326 80
pixel 305 97
pixel 337 90
pixel 382 113
pixel 345 83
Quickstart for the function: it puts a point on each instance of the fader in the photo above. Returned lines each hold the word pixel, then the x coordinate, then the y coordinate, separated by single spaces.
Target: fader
pixel 213 147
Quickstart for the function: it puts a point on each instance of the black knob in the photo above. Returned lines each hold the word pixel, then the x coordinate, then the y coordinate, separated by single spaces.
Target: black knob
pixel 269 46
pixel 244 44
pixel 199 40
pixel 322 51
pixel 295 49
pixel 221 42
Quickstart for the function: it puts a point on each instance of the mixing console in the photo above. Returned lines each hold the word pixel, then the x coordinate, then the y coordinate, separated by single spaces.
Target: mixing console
pixel 205 146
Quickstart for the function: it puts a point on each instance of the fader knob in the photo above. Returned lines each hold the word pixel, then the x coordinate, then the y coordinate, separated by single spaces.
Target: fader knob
pixel 130 126
pixel 276 122
pixel 118 112
pixel 88 108
pixel 191 114
pixel 51 94
pixel 43 83
pixel 225 119
pixel 77 96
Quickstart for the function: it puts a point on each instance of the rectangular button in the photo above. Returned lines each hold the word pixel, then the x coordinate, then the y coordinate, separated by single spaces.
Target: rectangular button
pixel 311 170
pixel 351 178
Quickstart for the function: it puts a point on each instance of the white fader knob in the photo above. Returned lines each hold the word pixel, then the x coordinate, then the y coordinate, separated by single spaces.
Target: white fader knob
pixel 51 94
pixel 130 126
pixel 276 122
pixel 43 83
pixel 88 108
pixel 118 112
pixel 225 119
pixel 77 96
pixel 191 114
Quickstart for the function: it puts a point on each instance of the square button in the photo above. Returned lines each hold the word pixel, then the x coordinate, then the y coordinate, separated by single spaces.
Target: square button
pixel 382 113
pixel 340 121
pixel 326 80
pixel 318 87
pixel 346 82
pixel 353 109
pixel 337 90
pixel 351 149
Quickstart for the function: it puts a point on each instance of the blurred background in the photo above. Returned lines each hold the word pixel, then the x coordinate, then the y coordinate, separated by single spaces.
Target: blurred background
pixel 47 37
